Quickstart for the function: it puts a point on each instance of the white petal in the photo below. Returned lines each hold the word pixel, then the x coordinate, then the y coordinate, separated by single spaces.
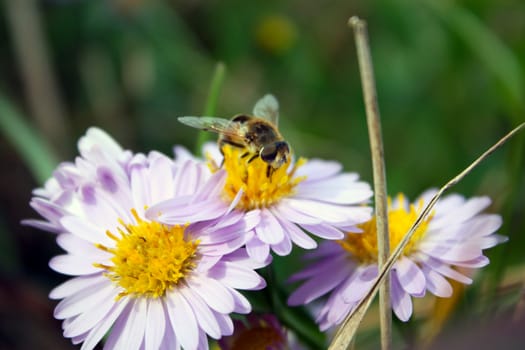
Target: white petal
pixel 84 300
pixel 133 333
pixel 85 230
pixel 96 137
pixel 155 325
pixel 214 293
pixel 101 329
pixel 161 179
pixel 285 210
pixel 75 285
pixel 316 169
pixel 324 211
pixel 73 265
pixel 463 213
pixel 188 178
pixel 204 315
pixel 140 186
pixel 90 318
pixel 340 189
pixel 235 276
pixel 182 320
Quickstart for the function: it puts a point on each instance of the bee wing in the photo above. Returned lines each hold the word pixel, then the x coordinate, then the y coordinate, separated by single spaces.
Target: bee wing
pixel 267 108
pixel 213 124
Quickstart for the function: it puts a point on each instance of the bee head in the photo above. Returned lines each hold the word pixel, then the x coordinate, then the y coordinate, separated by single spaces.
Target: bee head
pixel 275 154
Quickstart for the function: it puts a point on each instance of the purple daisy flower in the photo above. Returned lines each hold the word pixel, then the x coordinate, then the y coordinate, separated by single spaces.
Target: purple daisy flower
pixel 147 284
pixel 99 154
pixel 453 236
pixel 306 195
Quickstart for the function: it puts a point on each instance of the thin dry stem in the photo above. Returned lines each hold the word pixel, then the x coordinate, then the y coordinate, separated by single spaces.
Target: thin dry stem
pixel 378 165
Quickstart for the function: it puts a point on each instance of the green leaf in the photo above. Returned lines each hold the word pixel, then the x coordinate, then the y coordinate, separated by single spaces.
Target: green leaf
pixel 496 56
pixel 35 152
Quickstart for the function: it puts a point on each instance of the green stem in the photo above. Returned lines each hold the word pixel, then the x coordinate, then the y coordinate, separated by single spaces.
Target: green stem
pixel 35 152
pixel 211 102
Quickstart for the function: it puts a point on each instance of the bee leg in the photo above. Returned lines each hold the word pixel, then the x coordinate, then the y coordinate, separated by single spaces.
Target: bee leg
pixel 269 171
pixel 252 158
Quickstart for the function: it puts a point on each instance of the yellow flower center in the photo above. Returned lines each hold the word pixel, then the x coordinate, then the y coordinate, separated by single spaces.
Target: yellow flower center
pixel 260 190
pixel 260 337
pixel 149 258
pixel 363 246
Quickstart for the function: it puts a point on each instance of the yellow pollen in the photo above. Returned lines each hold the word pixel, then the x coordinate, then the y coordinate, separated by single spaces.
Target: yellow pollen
pixel 260 191
pixel 363 246
pixel 149 258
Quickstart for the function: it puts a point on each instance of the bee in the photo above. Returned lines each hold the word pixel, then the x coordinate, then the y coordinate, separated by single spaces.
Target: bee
pixel 257 134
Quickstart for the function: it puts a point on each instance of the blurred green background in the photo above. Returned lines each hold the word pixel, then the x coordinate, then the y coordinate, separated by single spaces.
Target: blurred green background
pixel 450 81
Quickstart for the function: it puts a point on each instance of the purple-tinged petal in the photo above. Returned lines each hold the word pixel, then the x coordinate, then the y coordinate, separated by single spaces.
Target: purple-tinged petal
pixel 257 249
pixel 401 302
pixel 202 312
pixel 295 233
pixel 242 305
pixel 215 293
pixel 43 225
pixel 324 231
pixel 437 284
pixel 359 283
pixel 240 257
pixel 283 248
pixel 269 230
pixel 317 286
pixel 446 270
pixel 410 277
pixel 225 323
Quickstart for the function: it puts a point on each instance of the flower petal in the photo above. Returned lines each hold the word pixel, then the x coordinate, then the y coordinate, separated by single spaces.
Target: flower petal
pixel 183 320
pixel 155 325
pixel 269 230
pixel 410 277
pixel 401 302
